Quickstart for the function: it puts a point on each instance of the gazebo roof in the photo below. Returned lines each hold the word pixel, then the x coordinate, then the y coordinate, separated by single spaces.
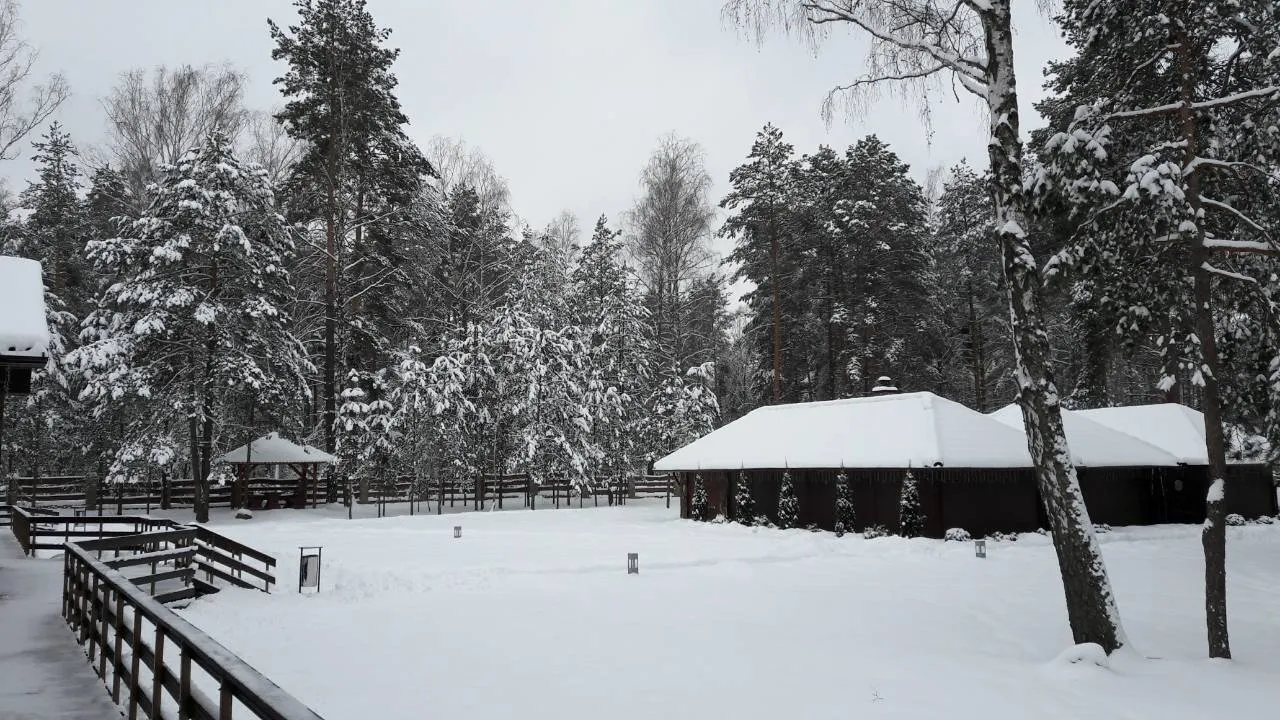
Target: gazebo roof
pixel 271 449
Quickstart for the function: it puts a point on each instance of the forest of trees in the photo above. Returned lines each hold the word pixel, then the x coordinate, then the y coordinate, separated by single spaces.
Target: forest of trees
pixel 214 272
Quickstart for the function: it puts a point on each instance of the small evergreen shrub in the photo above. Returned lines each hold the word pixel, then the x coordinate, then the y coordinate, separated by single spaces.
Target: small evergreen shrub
pixel 844 504
pixel 763 521
pixel 788 504
pixel 875 531
pixel 700 507
pixel 1235 520
pixel 1265 520
pixel 957 535
pixel 910 515
pixel 744 506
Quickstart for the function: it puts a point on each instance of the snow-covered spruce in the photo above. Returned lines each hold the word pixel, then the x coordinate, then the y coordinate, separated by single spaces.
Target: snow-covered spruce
pixel 910 515
pixel 744 507
pixel 845 517
pixel 788 503
pixel 699 508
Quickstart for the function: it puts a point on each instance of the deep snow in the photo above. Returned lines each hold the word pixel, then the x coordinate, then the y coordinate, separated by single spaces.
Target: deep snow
pixel 532 615
pixel 23 328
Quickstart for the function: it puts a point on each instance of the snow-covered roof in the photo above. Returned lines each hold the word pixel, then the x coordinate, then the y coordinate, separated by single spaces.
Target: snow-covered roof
pixel 24 328
pixel 1173 427
pixel 885 431
pixel 272 449
pixel 1095 444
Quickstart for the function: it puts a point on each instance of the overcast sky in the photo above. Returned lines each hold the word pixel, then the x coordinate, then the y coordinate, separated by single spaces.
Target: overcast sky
pixel 568 97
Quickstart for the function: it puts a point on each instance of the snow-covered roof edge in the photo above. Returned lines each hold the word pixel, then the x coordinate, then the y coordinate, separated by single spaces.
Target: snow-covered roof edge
pixel 24 326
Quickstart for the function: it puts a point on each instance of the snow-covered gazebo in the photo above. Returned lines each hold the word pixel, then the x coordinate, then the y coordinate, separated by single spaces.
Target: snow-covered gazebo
pixel 275 452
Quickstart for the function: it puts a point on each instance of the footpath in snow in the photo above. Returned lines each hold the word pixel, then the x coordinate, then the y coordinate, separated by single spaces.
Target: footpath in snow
pixel 532 615
pixel 43 672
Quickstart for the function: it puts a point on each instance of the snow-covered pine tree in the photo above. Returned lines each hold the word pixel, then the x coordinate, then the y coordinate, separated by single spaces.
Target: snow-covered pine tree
pixel 760 225
pixel 681 409
pixel 606 308
pixel 744 505
pixel 915 41
pixel 1162 159
pixel 788 503
pixel 54 233
pixel 910 514
pixel 194 312
pixel 700 507
pixel 370 435
pixel 358 176
pixel 845 517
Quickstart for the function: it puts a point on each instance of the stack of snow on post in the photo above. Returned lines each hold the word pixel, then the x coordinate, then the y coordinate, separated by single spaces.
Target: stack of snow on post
pixel 968 470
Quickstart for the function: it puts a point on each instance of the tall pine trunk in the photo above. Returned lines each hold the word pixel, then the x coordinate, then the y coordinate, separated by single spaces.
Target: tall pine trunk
pixel 1091 607
pixel 1213 537
pixel 977 356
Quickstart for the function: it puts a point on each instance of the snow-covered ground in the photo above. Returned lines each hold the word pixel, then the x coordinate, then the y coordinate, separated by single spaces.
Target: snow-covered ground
pixel 531 615
pixel 44 674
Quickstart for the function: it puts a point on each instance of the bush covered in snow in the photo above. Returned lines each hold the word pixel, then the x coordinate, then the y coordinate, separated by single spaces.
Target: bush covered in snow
pixel 700 506
pixel 762 521
pixel 875 531
pixel 1235 520
pixel 788 504
pixel 844 504
pixel 244 514
pixel 1102 528
pixel 957 535
pixel 744 506
pixel 910 514
pixel 1265 520
pixel 998 536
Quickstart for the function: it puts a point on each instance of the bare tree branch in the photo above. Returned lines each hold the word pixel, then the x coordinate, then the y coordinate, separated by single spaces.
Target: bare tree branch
pixel 18 117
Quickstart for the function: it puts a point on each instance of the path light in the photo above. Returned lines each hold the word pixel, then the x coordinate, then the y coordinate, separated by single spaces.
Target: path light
pixel 980 548
pixel 457 531
pixel 633 563
pixel 309 567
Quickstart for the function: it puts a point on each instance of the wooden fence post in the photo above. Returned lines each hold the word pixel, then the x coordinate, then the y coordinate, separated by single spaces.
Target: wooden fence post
pixel 135 647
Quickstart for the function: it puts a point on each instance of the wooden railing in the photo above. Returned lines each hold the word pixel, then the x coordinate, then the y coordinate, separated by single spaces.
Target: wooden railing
pixel 154 663
pixel 46 529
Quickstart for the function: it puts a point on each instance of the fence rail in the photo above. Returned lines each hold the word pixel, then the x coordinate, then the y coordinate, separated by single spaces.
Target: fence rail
pixel 490 490
pixel 75 491
pixel 154 663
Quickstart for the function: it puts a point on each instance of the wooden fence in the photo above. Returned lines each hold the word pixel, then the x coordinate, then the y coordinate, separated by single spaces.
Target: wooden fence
pixel 64 492
pixel 154 663
pixel 75 491
pixel 495 491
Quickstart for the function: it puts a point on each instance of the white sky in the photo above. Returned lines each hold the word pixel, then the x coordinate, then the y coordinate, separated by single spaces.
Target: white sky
pixel 568 97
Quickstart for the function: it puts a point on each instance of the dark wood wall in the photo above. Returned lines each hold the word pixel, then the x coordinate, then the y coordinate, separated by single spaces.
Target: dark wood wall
pixel 984 501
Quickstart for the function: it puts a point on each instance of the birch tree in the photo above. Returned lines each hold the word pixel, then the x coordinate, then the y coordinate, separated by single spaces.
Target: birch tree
pixel 921 44
pixel 1169 163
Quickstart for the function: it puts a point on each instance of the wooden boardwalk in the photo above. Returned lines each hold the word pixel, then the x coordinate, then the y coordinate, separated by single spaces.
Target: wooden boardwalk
pixel 43 672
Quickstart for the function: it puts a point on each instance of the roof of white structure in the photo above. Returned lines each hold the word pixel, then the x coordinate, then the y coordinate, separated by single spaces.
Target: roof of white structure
pixel 271 449
pixel 1095 444
pixel 887 431
pixel 1174 427
pixel 24 329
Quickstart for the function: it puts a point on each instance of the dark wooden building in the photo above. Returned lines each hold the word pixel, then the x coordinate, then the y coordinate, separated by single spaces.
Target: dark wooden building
pixel 972 470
